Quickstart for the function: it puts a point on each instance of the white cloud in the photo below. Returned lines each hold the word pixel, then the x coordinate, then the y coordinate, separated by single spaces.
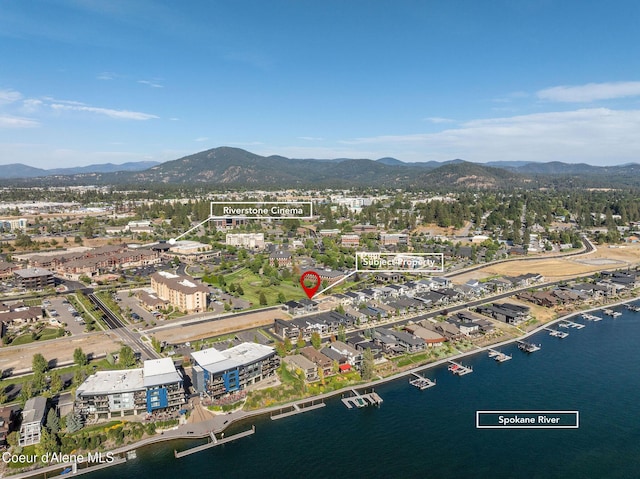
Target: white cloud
pixel 310 138
pixel 150 83
pixel 202 138
pixel 117 114
pixel 106 76
pixel 9 96
pixel 590 92
pixel 9 121
pixel 438 120
pixel 595 135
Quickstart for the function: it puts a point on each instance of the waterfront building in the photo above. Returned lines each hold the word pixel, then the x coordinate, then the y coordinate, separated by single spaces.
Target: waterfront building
pixel 33 417
pixel 158 386
pixel 181 291
pixel 218 373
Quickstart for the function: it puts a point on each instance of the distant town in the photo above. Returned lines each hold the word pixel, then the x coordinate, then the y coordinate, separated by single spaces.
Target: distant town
pixel 129 313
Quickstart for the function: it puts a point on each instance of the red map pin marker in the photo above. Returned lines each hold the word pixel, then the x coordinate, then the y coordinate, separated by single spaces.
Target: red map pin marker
pixel 310 290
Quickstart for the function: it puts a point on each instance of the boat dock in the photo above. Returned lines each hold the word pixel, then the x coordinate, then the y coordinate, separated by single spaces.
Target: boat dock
pixel 459 369
pixel 214 442
pixel 297 408
pixel 362 400
pixel 499 356
pixel 611 312
pixel 570 324
pixel 421 382
pixel 528 347
pixel 633 308
pixel 592 317
pixel 557 333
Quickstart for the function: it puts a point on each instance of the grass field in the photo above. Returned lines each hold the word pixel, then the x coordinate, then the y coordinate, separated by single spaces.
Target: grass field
pixel 252 286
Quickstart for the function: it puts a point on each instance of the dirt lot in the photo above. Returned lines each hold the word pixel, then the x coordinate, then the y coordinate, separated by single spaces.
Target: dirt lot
pixel 17 358
pixel 181 334
pixel 563 268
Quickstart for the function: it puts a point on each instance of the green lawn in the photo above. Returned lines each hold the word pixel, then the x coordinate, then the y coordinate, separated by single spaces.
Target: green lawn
pixel 251 284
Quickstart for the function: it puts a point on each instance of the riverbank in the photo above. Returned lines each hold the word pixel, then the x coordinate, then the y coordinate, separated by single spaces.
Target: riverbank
pixel 221 423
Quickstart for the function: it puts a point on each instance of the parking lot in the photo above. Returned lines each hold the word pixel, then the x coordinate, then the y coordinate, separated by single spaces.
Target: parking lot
pixel 132 303
pixel 63 314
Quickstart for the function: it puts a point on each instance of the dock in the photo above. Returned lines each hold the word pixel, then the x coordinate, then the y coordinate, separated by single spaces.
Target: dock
pixel 557 333
pixel 362 400
pixel 459 369
pixel 498 356
pixel 297 408
pixel 633 308
pixel 592 317
pixel 422 382
pixel 528 347
pixel 570 324
pixel 214 442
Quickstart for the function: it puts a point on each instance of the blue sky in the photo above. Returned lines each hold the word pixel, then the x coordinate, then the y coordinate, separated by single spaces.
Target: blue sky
pixel 92 81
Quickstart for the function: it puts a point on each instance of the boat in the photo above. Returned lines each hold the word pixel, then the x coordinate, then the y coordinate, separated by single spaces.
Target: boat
pixel 528 347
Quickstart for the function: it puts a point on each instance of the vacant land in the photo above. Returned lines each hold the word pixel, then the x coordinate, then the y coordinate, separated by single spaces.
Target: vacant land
pixel 252 285
pixel 218 327
pixel 17 358
pixel 556 269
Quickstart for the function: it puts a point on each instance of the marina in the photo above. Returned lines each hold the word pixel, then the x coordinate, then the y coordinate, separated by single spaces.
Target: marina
pixel 557 333
pixel 362 400
pixel 528 347
pixel 570 324
pixel 499 356
pixel 422 382
pixel 459 369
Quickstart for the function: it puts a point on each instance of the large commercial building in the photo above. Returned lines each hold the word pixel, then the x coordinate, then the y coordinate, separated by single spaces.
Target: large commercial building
pixel 34 278
pixel 246 240
pixel 157 386
pixel 182 292
pixel 218 373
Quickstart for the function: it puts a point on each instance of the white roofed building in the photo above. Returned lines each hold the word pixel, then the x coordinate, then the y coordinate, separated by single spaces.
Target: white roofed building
pixel 218 373
pixel 156 386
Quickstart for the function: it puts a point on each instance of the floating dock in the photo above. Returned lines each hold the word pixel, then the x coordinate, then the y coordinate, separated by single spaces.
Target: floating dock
pixel 297 408
pixel 633 308
pixel 499 356
pixel 362 400
pixel 421 382
pixel 214 442
pixel 570 324
pixel 528 347
pixel 557 333
pixel 592 317
pixel 459 369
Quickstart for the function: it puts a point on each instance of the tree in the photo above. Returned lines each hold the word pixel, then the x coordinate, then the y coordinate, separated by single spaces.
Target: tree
pixel 47 444
pixel 281 298
pixel 316 340
pixel 39 364
pixel 55 386
pixel 263 299
pixel 26 391
pixel 368 366
pixel 126 358
pixel 342 334
pixel 157 345
pixel 74 422
pixel 80 358
pixel 53 421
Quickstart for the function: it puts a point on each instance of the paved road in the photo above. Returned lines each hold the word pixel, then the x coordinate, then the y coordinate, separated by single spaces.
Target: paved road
pixel 114 323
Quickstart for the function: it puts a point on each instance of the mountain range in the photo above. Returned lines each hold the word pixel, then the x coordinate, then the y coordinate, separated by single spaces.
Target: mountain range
pixel 228 167
pixel 18 170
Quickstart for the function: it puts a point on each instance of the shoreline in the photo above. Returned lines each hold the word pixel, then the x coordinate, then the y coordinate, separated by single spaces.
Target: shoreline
pixel 221 422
